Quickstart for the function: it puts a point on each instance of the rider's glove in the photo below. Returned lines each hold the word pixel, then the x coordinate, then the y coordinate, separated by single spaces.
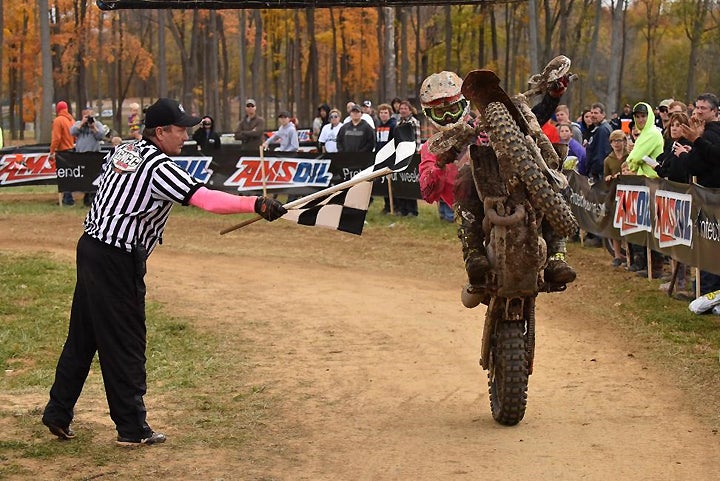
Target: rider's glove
pixel 447 157
pixel 558 87
pixel 269 208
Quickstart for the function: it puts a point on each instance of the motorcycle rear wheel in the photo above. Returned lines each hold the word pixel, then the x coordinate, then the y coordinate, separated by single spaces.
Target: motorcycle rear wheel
pixel 508 373
pixel 509 145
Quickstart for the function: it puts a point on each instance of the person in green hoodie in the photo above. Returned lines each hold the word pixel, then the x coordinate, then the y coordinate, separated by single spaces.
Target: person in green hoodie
pixel 641 160
pixel 649 145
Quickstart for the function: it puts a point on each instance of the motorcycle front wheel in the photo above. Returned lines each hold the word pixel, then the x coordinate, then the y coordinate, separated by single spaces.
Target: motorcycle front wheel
pixel 508 373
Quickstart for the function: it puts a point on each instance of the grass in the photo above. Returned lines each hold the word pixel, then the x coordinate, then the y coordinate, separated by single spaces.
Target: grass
pixel 36 294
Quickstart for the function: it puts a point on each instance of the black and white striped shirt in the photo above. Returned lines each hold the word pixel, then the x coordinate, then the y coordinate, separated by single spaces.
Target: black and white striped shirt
pixel 136 192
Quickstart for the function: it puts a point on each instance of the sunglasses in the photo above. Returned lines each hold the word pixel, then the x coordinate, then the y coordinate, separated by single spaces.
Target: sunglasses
pixel 249 105
pixel 334 116
pixel 663 109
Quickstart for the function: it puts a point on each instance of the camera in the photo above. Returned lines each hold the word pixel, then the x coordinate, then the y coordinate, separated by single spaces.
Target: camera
pixel 207 123
pixel 90 120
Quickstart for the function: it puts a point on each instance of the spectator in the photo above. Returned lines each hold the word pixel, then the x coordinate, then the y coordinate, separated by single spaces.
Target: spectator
pixel 134 121
pixel 385 132
pixel 286 134
pixel 356 135
pixel 407 116
pixel 62 139
pixel 613 169
pixel 367 108
pixel 586 126
pixel 576 152
pixel 562 116
pixel 598 146
pixel 328 135
pixel 205 136
pixel 671 167
pixel 702 159
pixel 385 129
pixel 649 143
pixel 677 107
pixel 663 114
pixel 364 116
pixel 647 148
pixel 320 121
pixel 396 107
pixel 251 130
pixel 88 133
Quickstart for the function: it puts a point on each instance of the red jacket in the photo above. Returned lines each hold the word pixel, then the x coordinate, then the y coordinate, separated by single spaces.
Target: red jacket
pixel 436 183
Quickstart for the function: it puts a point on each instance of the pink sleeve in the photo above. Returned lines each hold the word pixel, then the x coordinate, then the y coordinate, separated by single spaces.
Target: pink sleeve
pixel 433 179
pixel 219 202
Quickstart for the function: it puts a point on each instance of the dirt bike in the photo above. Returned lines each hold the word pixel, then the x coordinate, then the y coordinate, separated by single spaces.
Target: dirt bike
pixel 517 195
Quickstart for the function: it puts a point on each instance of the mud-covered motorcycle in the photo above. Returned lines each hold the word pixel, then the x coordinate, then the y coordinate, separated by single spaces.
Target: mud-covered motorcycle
pixel 521 195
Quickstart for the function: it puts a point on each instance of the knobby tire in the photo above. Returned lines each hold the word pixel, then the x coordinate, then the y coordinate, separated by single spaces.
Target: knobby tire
pixel 508 142
pixel 508 374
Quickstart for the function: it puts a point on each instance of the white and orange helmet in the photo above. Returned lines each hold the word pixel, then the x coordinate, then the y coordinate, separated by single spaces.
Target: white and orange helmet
pixel 442 101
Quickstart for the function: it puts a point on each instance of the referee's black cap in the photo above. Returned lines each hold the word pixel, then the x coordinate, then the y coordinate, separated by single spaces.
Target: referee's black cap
pixel 168 112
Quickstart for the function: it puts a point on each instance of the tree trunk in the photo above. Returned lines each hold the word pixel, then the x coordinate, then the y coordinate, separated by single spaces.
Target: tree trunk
pixel 242 89
pixel 533 36
pixel 447 62
pixel 257 62
pixel 616 41
pixel 48 91
pixel 335 73
pixel 162 60
pixel 695 35
pixel 390 63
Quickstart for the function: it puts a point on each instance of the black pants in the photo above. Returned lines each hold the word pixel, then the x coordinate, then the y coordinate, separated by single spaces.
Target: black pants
pixel 107 316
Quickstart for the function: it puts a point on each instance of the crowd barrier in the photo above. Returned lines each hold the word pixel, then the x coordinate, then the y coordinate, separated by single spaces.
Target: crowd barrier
pixel 679 220
pixel 229 169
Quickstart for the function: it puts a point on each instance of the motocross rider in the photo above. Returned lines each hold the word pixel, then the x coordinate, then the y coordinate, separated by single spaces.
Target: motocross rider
pixel 446 175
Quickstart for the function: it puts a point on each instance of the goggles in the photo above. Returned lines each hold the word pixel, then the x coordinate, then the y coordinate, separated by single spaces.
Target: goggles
pixel 447 114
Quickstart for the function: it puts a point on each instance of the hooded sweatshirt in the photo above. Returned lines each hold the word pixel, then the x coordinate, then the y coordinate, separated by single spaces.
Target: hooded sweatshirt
pixel 649 143
pixel 60 136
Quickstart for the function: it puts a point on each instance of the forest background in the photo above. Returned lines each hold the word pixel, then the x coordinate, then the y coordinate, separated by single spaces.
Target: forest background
pixel 296 59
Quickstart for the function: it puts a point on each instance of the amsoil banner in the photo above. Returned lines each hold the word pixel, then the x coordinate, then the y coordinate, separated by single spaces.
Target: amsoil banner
pixel 230 169
pixel 679 220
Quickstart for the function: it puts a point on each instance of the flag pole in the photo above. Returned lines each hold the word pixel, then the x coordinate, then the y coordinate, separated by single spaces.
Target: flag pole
pixel 361 177
pixel 262 170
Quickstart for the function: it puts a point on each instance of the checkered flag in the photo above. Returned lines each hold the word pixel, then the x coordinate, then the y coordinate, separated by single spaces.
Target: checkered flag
pixel 344 206
pixel 344 210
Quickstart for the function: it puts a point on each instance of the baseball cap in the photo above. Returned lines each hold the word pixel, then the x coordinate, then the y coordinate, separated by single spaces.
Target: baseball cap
pixel 250 101
pixel 284 113
pixel 168 112
pixel 367 103
pixel 666 103
pixel 355 107
pixel 640 109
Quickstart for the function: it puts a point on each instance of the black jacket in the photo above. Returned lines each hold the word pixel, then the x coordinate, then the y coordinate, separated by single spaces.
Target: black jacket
pixel 703 160
pixel 670 166
pixel 207 139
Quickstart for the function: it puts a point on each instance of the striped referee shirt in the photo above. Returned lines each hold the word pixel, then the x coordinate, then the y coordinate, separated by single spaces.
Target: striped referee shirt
pixel 137 190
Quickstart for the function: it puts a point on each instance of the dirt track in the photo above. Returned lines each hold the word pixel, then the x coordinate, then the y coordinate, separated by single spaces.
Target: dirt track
pixel 375 362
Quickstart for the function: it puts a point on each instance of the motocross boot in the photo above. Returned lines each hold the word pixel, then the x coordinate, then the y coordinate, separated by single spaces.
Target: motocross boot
pixel 557 271
pixel 471 237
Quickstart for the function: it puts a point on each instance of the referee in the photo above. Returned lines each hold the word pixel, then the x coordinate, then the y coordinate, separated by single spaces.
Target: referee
pixel 138 188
